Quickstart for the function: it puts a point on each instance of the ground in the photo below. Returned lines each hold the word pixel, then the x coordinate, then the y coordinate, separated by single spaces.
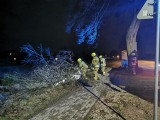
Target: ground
pixel 22 106
pixel 141 85
pixel 102 101
pixel 128 105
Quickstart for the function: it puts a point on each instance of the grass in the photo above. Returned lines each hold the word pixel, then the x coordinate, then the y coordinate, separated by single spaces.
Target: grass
pixel 7 82
pixel 38 100
pixel 3 118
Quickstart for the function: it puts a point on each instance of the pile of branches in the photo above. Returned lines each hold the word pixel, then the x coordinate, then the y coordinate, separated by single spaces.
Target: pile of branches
pixel 61 70
pixel 46 71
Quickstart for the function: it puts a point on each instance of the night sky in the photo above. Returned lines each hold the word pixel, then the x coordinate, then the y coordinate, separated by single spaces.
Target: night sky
pixel 43 21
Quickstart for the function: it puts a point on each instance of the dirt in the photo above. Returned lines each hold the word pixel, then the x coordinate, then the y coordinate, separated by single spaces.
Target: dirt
pixel 128 106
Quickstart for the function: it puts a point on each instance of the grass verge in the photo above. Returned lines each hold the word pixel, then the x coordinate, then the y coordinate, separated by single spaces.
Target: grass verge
pixel 32 102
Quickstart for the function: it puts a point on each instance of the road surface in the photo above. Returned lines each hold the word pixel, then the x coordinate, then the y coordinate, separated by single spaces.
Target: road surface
pixel 141 85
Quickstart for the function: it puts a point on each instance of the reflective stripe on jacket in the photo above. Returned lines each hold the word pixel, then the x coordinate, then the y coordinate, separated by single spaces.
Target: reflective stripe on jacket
pixel 103 62
pixel 95 61
pixel 83 65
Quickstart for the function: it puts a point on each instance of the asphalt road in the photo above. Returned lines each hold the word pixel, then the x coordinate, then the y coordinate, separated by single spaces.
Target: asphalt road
pixel 141 85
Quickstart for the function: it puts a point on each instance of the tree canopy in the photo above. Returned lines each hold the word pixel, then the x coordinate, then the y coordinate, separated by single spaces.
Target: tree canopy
pixel 86 19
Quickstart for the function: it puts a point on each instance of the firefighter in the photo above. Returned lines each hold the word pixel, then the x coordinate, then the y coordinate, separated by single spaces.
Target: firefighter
pixel 95 65
pixel 102 64
pixel 134 63
pixel 83 67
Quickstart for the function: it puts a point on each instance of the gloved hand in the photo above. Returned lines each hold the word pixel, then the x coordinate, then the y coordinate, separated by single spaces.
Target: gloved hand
pixel 92 68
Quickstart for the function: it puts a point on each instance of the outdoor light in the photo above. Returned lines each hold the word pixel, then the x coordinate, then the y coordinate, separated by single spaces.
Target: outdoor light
pixel 14 59
pixel 10 53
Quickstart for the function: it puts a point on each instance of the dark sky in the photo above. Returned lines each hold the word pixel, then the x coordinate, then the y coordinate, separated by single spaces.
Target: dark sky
pixel 114 30
pixel 34 22
pixel 43 21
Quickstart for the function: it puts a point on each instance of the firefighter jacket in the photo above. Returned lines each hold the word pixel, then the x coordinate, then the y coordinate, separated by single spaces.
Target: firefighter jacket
pixel 83 65
pixel 95 62
pixel 102 62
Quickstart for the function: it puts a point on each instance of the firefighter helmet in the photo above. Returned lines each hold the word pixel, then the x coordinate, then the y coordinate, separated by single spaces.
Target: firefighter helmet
pixel 79 60
pixel 93 54
pixel 100 56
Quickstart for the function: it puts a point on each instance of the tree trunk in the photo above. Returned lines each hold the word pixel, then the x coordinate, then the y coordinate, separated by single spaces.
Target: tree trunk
pixel 131 42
